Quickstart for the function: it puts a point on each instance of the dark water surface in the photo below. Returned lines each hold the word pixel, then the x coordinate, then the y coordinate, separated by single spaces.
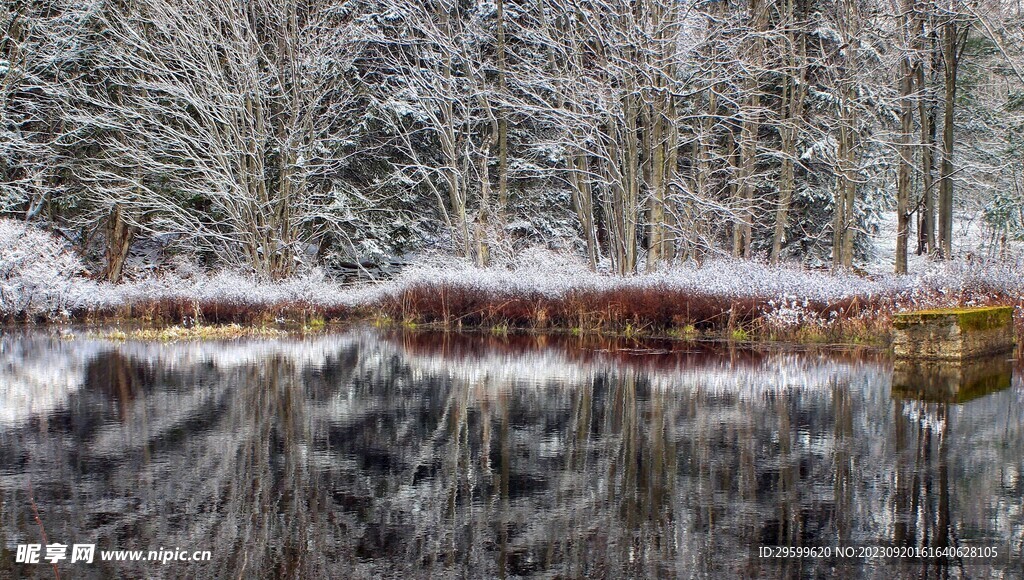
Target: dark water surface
pixel 386 455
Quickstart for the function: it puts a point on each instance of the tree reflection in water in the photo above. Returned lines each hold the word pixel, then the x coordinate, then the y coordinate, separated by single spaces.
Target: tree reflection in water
pixel 416 455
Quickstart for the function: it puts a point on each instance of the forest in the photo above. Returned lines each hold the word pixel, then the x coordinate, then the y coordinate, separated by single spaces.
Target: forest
pixel 275 136
pixel 279 141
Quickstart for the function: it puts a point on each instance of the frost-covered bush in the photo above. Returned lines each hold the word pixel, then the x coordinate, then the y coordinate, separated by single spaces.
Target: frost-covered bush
pixel 541 287
pixel 200 292
pixel 38 273
pixel 38 276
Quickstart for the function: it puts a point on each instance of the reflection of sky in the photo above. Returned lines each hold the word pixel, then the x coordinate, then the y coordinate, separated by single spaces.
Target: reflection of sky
pixel 38 374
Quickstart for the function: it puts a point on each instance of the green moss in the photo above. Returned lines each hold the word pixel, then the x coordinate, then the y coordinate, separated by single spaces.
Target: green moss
pixel 986 318
pixel 196 332
pixel 811 334
pixel 983 318
pixel 740 334
pixel 316 322
pixel 688 332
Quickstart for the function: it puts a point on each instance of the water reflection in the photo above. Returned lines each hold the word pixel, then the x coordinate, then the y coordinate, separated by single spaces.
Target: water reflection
pixel 369 455
pixel 926 394
pixel 951 381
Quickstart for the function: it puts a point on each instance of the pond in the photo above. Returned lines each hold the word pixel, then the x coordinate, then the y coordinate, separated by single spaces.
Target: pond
pixel 384 454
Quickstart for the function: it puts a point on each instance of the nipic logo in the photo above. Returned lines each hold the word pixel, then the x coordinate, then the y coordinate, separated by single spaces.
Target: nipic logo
pixel 30 553
pixel 53 553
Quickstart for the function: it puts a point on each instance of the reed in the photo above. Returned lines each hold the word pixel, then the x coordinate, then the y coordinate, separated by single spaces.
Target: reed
pixel 195 332
pixel 723 299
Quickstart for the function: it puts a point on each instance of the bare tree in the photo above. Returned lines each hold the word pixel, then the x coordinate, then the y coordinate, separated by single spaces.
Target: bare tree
pixel 209 122
pixel 955 29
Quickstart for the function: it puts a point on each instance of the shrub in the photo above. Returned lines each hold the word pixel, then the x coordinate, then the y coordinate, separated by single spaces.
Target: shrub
pixel 38 273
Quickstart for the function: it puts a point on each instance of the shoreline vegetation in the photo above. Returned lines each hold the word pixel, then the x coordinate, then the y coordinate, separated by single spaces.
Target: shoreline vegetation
pixel 540 291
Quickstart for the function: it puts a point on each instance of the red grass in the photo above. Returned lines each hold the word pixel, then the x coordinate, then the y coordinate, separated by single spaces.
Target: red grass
pixel 617 309
pixel 183 311
pixel 659 310
pixel 613 309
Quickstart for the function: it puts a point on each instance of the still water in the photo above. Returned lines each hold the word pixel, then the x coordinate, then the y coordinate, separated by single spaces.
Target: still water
pixel 369 454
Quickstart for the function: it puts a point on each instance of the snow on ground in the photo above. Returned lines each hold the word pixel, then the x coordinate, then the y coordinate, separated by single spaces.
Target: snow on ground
pixel 553 277
pixel 728 279
pixel 971 240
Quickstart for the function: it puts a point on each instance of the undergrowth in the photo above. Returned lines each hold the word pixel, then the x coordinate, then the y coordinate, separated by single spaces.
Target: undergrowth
pixel 741 300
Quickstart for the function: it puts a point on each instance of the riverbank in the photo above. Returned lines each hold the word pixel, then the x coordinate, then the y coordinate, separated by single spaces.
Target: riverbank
pixel 542 292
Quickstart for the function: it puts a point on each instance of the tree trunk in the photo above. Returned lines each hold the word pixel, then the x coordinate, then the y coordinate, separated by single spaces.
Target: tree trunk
pixel 120 236
pixel 483 250
pixel 792 109
pixel 630 187
pixel 926 112
pixel 748 157
pixel 926 232
pixel 502 119
pixel 846 192
pixel 656 193
pixel 663 157
pixel 748 138
pixel 952 46
pixel 583 204
pixel 903 181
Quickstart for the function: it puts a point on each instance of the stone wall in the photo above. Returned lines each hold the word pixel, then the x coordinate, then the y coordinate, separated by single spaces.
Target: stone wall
pixel 953 333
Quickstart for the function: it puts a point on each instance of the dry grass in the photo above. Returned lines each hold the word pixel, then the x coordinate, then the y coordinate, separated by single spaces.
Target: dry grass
pixel 618 310
pixel 724 299
pixel 183 310
pixel 652 311
pixel 195 332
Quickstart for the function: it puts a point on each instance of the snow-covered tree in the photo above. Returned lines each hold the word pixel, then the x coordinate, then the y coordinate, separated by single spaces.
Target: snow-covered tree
pixel 217 122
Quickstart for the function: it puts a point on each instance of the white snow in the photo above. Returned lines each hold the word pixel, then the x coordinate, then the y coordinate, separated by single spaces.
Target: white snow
pixel 39 276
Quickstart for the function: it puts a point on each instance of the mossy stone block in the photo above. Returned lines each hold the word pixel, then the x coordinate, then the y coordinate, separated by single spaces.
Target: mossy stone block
pixel 953 333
